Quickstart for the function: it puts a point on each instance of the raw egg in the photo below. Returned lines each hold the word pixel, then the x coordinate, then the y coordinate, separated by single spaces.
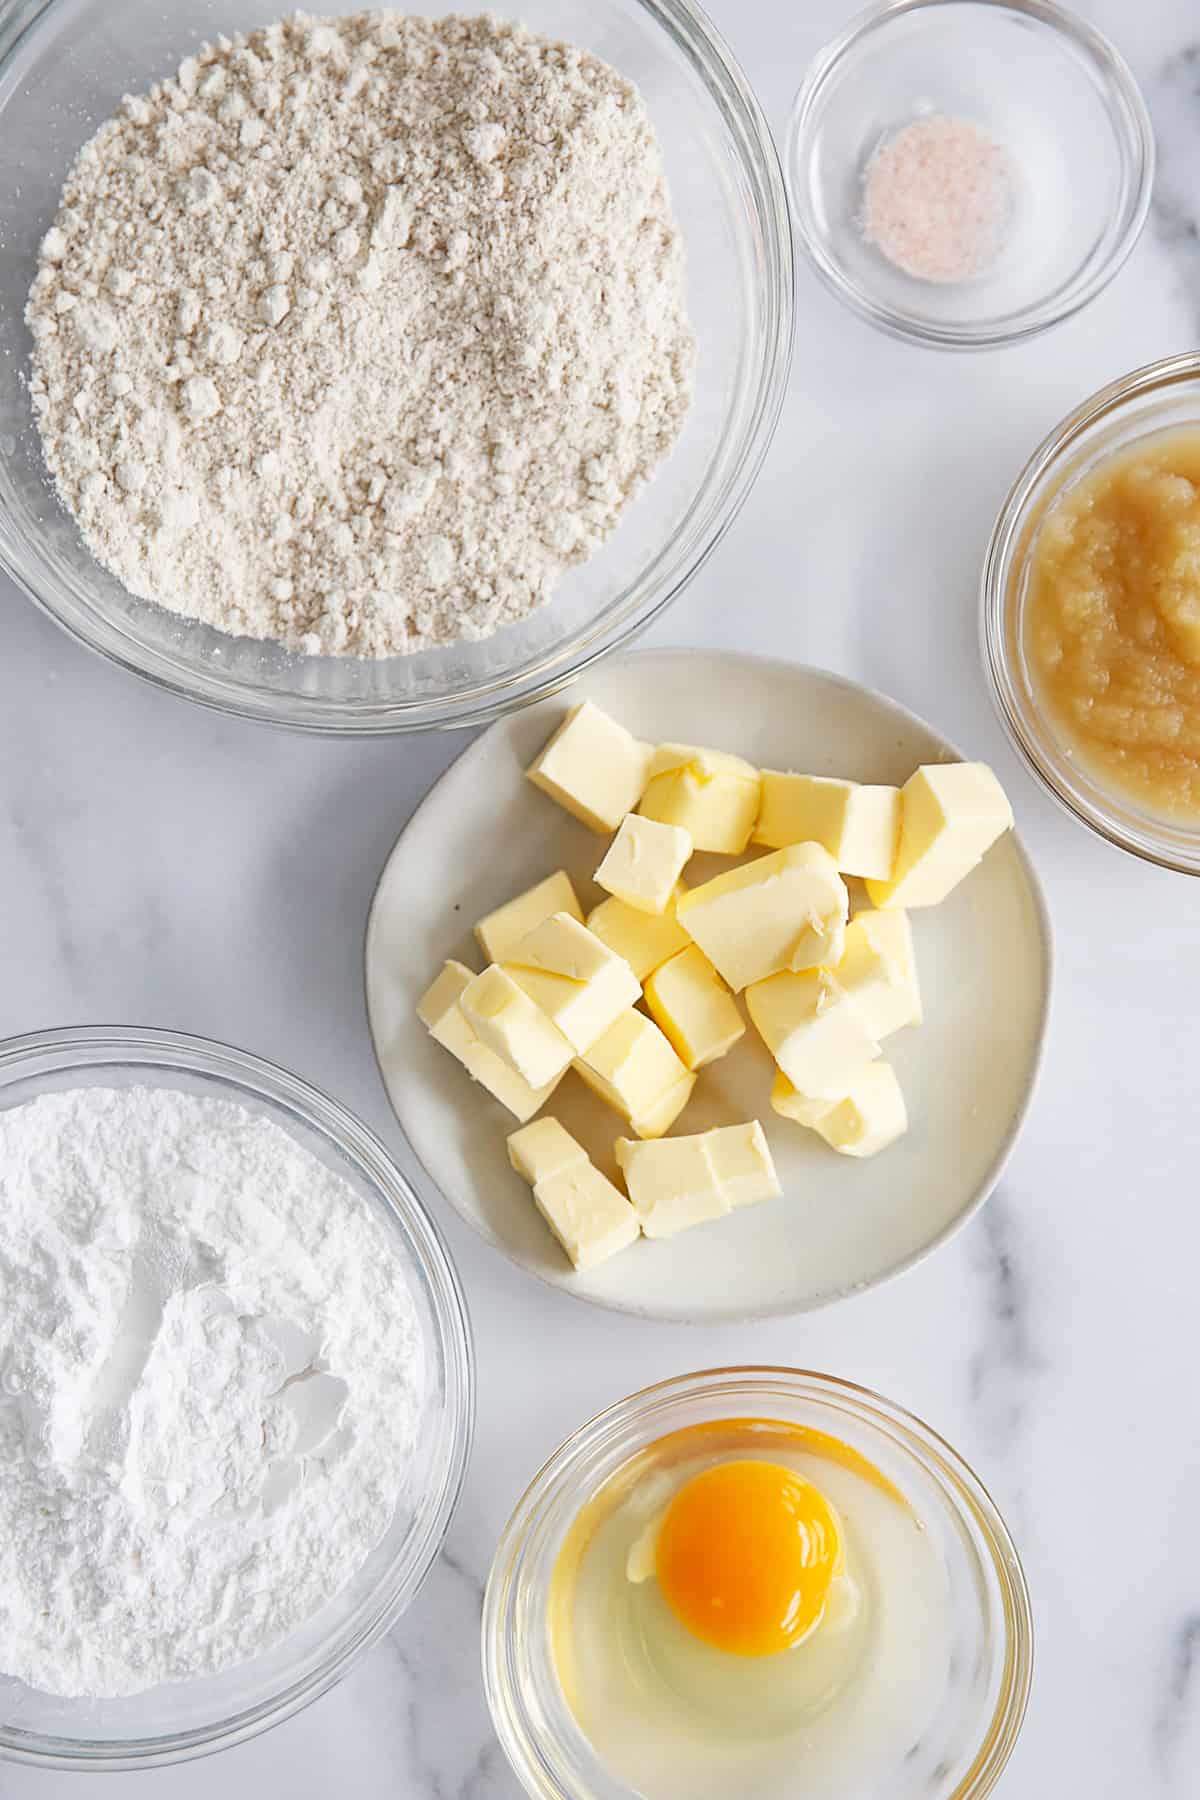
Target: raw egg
pixel 746 1554
pixel 748 1607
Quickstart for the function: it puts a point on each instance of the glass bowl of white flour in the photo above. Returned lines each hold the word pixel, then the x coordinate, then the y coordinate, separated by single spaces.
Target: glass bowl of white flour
pixel 400 426
pixel 236 1389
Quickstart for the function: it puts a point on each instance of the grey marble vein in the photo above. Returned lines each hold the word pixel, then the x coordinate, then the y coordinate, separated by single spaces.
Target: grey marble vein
pixel 1000 1369
pixel 41 862
pixel 1180 1700
pixel 1175 213
pixel 447 1734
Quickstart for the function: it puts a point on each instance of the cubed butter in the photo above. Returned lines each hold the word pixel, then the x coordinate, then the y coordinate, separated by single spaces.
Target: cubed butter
pixel 593 767
pixel 950 814
pixel 440 1012
pixel 712 795
pixel 859 825
pixel 644 862
pixel 658 1120
pixel 812 1030
pixel 576 980
pixel 644 939
pixel 504 1017
pixel 634 1069
pixel 501 931
pixel 694 1008
pixel 879 971
pixel 439 1003
pixel 868 1116
pixel 543 1149
pixel 590 1217
pixel 787 910
pixel 803 1109
pixel 672 1189
pixel 744 1164
pixel 683 1181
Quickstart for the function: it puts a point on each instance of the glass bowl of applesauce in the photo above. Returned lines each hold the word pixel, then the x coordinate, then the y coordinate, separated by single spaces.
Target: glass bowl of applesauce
pixel 1090 613
pixel 643 1633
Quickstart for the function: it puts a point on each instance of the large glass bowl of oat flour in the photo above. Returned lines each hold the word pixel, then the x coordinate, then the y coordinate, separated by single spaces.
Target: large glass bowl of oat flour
pixel 64 66
pixel 184 1718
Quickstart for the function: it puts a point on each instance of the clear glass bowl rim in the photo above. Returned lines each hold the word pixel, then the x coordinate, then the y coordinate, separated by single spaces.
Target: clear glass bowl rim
pixel 706 51
pixel 1137 140
pixel 83 1047
pixel 1018 712
pixel 557 1486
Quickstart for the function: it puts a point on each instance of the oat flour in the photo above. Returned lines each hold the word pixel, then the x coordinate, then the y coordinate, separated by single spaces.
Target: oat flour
pixel 358 332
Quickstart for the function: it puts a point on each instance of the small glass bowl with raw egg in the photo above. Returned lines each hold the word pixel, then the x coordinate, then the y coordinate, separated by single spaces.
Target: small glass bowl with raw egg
pixel 756 1582
pixel 1090 613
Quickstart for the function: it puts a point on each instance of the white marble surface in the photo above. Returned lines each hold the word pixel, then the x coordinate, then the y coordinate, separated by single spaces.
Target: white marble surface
pixel 163 866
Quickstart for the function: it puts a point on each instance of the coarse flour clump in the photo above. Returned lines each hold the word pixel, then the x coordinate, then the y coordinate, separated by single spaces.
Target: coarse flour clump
pixel 210 1378
pixel 357 332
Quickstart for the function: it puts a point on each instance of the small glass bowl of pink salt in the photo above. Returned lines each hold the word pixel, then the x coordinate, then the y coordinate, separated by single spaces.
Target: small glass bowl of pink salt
pixel 967 173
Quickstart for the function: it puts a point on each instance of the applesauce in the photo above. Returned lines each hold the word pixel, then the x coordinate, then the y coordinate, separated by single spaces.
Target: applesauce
pixel 1112 620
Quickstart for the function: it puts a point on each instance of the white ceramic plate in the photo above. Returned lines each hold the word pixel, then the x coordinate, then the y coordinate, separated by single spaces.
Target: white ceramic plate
pixel 484 834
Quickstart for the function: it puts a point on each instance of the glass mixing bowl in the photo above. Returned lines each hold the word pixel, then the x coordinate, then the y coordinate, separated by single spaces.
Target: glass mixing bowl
pixel 960 1756
pixel 64 65
pixel 1031 75
pixel 179 1720
pixel 1163 396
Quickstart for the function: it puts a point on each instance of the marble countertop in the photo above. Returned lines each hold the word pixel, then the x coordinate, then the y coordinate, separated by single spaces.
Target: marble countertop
pixel 162 865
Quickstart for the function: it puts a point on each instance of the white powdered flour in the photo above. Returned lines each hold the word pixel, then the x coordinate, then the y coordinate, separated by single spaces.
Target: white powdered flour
pixel 358 332
pixel 210 1375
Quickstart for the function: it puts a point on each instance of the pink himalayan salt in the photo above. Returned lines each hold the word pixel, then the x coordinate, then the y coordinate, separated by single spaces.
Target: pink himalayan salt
pixel 936 199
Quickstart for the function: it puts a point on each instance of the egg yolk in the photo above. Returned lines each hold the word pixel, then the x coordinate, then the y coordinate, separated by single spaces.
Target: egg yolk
pixel 745 1556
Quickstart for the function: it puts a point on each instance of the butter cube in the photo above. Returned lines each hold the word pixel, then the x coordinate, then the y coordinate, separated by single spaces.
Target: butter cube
pixel 674 1188
pixel 812 1030
pixel 783 911
pixel 684 1181
pixel 879 971
pixel 951 813
pixel 867 1117
pixel 712 795
pixel 634 1069
pixel 542 1149
pixel 576 980
pixel 644 862
pixel 644 939
pixel 440 1012
pixel 593 767
pixel 803 1109
pixel 744 1164
pixel 858 825
pixel 659 1118
pixel 501 931
pixel 694 1008
pixel 591 1218
pixel 508 1022
pixel 439 1003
